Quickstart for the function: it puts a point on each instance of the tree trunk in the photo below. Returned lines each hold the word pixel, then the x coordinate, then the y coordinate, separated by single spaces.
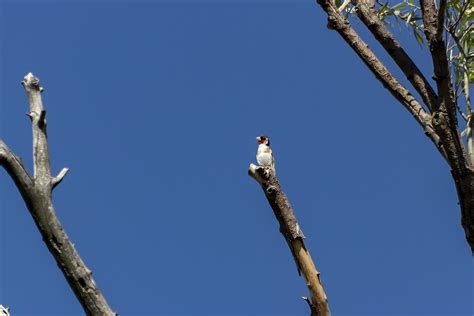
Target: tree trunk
pixel 465 190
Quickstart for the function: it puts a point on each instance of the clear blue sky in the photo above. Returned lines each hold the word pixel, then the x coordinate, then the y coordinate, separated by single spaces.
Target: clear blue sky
pixel 154 106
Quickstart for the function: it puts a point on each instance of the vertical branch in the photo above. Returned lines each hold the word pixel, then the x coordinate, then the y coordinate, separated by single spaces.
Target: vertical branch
pixel 37 114
pixel 469 124
pixel 445 114
pixel 445 119
pixel 294 236
pixel 36 193
pixel 430 17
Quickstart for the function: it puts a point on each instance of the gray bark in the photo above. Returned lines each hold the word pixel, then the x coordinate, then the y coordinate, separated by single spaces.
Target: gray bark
pixel 36 192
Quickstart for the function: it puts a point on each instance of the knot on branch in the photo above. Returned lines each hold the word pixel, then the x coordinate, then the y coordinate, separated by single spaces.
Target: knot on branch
pixel 438 119
pixel 332 22
pixel 331 25
pixel 271 190
pixel 31 82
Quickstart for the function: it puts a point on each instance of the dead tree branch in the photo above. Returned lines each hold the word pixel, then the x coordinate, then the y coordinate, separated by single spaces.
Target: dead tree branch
pixel 293 235
pixel 36 193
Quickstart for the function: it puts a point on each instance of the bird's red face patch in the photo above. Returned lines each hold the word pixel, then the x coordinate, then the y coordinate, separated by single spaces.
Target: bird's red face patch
pixel 262 139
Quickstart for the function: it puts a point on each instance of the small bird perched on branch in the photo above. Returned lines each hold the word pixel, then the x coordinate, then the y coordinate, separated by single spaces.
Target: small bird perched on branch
pixel 264 153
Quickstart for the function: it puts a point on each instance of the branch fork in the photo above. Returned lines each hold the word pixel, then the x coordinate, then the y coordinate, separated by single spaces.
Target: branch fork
pixel 437 115
pixel 36 192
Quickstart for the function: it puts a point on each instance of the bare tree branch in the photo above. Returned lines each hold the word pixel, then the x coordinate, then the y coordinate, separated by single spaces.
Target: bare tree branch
pixel 440 21
pixel 294 236
pixel 338 22
pixel 369 17
pixel 37 196
pixel 17 171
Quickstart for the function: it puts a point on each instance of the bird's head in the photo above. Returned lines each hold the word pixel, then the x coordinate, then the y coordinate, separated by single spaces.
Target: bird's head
pixel 262 139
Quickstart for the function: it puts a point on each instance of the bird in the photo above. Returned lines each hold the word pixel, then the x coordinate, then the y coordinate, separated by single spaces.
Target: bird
pixel 264 153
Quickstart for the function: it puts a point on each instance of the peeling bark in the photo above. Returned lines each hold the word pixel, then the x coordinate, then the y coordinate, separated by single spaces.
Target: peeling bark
pixel 36 192
pixel 294 237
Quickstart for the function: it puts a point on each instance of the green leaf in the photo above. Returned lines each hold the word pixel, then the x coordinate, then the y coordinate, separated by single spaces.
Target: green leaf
pixel 409 17
pixel 418 36
pixel 399 6
pixel 456 75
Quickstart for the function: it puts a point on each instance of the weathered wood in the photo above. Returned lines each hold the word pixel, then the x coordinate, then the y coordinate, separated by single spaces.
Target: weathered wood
pixel 36 192
pixel 294 237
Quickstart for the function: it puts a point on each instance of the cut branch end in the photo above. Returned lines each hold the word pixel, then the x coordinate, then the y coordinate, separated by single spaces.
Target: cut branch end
pixel 31 82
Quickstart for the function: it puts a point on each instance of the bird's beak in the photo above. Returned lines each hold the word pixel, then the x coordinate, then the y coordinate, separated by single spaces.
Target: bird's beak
pixel 258 138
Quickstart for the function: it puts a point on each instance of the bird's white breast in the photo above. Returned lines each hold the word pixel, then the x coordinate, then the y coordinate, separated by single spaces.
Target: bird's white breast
pixel 264 156
pixel 264 159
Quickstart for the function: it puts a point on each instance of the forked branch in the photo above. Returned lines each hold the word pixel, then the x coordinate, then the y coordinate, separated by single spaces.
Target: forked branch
pixel 441 124
pixel 36 193
pixel 338 22
pixel 369 17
